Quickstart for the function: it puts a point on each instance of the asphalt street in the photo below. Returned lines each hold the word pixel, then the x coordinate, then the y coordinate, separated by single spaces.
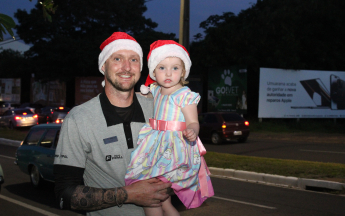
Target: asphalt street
pixel 232 197
pixel 329 152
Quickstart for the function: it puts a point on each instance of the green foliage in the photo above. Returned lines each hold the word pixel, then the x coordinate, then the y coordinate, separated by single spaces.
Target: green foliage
pixel 48 7
pixel 13 64
pixel 69 46
pixel 6 24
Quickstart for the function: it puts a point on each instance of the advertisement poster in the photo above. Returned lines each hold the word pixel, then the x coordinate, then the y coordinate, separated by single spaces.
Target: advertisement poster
pixel 10 90
pixel 87 88
pixel 227 90
pixel 52 93
pixel 301 94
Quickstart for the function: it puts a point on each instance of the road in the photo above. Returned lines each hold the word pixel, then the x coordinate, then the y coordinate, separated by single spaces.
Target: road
pixel 331 150
pixel 231 197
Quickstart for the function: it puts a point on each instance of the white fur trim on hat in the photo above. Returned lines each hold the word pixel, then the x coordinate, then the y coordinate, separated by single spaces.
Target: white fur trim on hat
pixel 116 45
pixel 168 50
pixel 144 89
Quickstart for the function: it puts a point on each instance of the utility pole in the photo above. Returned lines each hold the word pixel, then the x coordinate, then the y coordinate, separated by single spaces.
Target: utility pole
pixel 184 24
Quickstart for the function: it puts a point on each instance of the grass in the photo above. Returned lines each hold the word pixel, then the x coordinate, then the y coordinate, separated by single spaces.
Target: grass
pixel 17 134
pixel 295 168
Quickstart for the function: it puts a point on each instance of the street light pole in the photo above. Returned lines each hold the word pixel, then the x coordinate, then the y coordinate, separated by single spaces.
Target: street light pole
pixel 184 23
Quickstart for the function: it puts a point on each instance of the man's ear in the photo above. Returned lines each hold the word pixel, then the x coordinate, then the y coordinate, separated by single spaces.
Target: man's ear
pixel 103 68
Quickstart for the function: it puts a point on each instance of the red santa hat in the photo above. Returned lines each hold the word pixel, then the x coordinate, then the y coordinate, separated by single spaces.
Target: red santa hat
pixel 118 41
pixel 161 49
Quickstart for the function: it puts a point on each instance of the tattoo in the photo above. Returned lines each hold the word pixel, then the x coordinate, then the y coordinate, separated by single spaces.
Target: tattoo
pixel 122 196
pixel 90 199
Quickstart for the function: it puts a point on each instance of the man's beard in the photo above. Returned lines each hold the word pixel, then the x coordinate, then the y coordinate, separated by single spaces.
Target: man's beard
pixel 117 85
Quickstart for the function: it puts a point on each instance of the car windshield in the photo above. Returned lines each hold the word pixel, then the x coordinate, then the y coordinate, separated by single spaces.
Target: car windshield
pixel 20 112
pixel 62 109
pixel 232 117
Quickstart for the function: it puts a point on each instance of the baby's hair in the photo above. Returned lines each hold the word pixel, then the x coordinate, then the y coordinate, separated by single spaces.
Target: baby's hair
pixel 183 82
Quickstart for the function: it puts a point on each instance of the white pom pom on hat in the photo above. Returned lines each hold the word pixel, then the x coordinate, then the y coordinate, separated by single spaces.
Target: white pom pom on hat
pixel 144 89
pixel 118 41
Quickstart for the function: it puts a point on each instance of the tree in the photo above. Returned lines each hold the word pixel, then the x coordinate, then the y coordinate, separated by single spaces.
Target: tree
pixel 7 23
pixel 13 64
pixel 69 46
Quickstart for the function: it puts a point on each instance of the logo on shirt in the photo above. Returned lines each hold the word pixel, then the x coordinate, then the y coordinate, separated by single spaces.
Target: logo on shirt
pixel 61 156
pixel 112 157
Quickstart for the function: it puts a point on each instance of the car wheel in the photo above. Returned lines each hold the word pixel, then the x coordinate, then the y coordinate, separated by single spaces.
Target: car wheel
pixel 10 126
pixel 35 177
pixel 242 140
pixel 216 139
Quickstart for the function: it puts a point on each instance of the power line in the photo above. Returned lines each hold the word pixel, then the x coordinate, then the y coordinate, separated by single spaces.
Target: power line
pixel 10 41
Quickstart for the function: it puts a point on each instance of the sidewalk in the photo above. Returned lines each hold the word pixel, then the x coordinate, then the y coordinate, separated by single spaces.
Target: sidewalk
pixel 287 181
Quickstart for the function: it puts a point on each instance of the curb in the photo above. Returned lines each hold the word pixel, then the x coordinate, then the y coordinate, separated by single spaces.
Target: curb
pixel 10 142
pixel 287 181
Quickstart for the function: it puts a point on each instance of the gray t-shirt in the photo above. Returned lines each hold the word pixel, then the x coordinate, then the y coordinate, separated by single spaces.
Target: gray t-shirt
pixel 95 138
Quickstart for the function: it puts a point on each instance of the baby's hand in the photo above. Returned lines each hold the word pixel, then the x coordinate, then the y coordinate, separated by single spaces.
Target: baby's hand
pixel 189 134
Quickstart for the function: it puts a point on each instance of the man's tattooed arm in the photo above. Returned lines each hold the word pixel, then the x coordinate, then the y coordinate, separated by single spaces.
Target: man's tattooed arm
pixel 89 198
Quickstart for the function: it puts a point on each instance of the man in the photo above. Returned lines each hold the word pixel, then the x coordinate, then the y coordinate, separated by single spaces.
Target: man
pixel 97 138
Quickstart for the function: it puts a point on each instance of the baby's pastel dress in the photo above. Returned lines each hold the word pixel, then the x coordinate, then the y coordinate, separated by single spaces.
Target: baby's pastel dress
pixel 163 152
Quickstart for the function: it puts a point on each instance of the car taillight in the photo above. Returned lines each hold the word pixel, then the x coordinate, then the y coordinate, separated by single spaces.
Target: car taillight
pixel 24 113
pixel 17 118
pixel 52 112
pixel 60 108
pixel 35 116
pixel 246 123
pixel 224 126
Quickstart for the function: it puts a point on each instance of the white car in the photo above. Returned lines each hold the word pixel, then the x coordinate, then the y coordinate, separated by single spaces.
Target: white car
pixel 18 118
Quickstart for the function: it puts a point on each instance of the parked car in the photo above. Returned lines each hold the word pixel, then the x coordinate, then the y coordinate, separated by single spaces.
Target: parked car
pixel 35 108
pixel 18 118
pixel 35 156
pixel 59 114
pixel 54 114
pixel 220 126
pixel 4 106
pixel 2 179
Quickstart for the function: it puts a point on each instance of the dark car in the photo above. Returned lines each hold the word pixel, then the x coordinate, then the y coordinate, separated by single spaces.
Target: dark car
pixel 221 126
pixel 45 115
pixel 18 118
pixel 4 106
pixel 35 155
pixel 52 114
pixel 35 108
pixel 59 114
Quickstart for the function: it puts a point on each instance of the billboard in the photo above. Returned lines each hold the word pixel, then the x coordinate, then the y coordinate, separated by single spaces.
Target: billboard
pixel 301 94
pixel 87 88
pixel 227 90
pixel 52 93
pixel 10 90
